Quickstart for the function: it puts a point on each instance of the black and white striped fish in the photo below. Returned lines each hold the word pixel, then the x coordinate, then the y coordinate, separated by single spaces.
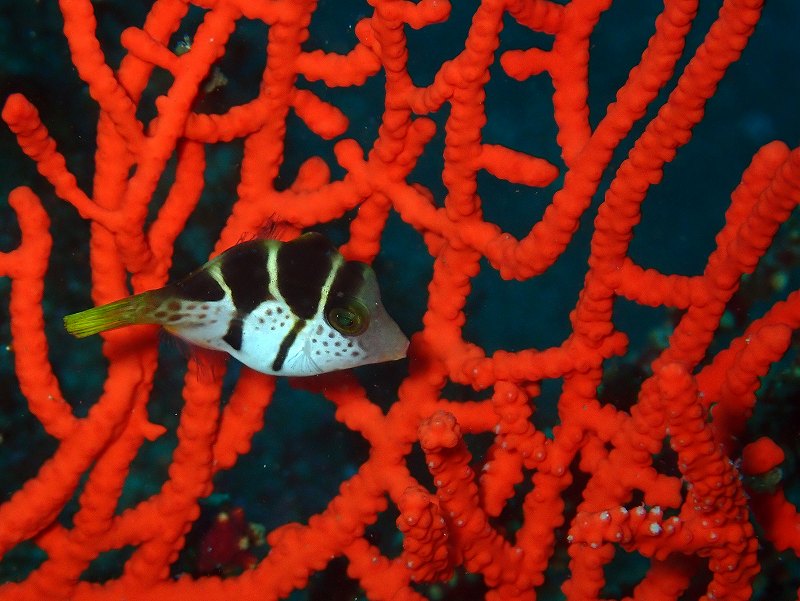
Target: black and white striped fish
pixel 287 308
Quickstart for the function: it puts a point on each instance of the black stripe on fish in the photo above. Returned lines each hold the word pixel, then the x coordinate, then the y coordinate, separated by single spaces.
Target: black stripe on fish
pixel 304 265
pixel 348 283
pixel 286 344
pixel 199 286
pixel 234 334
pixel 244 270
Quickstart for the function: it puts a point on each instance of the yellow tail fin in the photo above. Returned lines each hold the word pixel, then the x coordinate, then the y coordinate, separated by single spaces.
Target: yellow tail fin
pixel 124 312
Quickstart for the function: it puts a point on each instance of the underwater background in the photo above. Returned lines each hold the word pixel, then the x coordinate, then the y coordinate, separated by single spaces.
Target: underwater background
pixel 302 455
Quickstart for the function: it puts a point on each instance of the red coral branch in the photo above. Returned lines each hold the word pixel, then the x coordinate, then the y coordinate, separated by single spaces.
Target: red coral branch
pixel 658 477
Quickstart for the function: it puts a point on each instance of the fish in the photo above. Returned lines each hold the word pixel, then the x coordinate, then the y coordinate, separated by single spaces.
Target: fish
pixel 296 308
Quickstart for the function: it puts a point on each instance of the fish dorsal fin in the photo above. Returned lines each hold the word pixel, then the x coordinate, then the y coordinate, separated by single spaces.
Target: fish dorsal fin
pixel 276 230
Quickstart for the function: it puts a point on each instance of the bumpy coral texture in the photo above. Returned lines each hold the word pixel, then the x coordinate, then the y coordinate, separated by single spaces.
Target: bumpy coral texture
pixel 694 509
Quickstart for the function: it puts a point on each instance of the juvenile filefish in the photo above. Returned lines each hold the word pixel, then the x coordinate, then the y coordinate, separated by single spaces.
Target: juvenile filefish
pixel 286 308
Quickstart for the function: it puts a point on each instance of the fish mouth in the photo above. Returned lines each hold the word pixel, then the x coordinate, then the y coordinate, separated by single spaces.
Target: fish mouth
pixel 384 340
pixel 399 351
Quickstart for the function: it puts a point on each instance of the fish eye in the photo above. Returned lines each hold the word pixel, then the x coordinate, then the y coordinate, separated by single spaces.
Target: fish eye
pixel 350 319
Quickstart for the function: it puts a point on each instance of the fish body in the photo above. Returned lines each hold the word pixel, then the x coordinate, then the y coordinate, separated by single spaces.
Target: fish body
pixel 285 308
